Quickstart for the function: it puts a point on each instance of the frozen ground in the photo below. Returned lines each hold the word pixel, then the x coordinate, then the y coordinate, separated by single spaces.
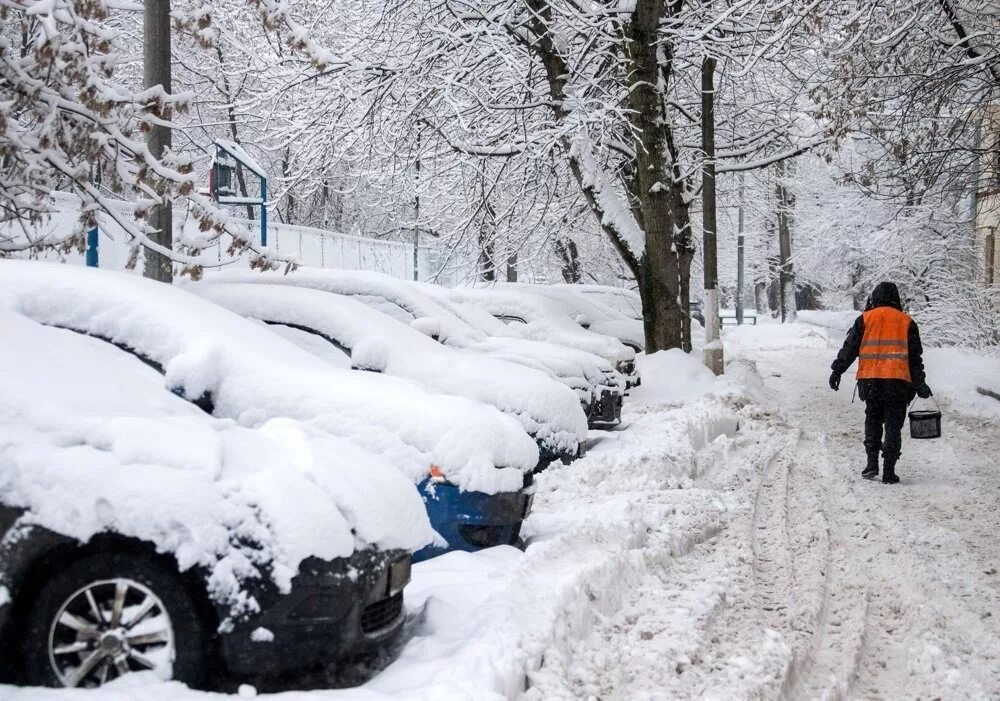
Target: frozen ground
pixel 685 559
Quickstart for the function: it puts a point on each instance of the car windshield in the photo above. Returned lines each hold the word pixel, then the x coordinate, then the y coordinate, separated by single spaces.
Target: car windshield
pixel 314 342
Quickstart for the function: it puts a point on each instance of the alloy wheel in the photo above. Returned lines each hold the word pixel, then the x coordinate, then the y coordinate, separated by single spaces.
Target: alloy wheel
pixel 108 629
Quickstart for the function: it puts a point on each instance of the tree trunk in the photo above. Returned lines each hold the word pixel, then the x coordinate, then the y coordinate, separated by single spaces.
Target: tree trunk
pixel 786 275
pixel 156 71
pixel 570 257
pixel 661 207
pixel 760 298
pixel 512 267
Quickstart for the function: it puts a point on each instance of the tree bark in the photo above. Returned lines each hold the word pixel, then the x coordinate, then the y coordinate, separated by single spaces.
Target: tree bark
pixel 156 71
pixel 786 278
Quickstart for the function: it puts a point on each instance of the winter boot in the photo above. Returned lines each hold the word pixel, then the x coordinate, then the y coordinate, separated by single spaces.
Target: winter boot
pixel 871 470
pixel 889 470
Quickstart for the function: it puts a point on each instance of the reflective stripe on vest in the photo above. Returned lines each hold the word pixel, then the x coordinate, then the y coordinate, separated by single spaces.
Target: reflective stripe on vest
pixel 885 346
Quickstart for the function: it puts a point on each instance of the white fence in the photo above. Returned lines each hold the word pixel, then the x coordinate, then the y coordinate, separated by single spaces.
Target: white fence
pixel 308 246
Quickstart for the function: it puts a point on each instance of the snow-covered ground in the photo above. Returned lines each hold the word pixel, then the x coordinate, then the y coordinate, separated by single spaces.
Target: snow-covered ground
pixel 720 544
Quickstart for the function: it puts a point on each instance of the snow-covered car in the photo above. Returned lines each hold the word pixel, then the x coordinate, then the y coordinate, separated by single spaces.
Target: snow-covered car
pixel 548 411
pixel 598 386
pixel 626 302
pixel 239 369
pixel 591 313
pixel 539 317
pixel 138 533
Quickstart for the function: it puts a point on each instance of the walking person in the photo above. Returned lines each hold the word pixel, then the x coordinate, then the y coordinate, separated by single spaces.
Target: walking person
pixel 886 342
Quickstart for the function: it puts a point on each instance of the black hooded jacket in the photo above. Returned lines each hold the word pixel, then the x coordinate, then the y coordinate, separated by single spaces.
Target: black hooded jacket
pixel 885 295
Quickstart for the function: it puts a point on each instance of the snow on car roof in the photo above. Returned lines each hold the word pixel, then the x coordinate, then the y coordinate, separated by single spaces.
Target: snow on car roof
pixel 545 320
pixel 254 375
pixel 598 317
pixel 622 300
pixel 547 410
pixel 503 341
pixel 90 442
pixel 358 283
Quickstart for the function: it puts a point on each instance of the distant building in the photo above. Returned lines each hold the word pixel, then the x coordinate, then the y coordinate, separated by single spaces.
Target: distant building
pixel 988 196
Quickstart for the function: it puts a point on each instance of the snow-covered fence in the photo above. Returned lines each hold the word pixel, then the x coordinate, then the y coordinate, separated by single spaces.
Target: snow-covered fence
pixel 311 247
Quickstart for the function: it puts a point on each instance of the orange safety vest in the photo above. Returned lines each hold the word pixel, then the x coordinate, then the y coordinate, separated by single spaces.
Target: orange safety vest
pixel 885 346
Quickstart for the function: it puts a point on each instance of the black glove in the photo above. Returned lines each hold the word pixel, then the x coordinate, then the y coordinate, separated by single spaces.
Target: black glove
pixel 835 382
pixel 923 391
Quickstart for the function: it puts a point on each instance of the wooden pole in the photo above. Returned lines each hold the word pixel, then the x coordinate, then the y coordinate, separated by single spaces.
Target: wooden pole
pixel 713 343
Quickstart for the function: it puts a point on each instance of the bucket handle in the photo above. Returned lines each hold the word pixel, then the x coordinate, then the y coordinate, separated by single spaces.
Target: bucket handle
pixel 938 406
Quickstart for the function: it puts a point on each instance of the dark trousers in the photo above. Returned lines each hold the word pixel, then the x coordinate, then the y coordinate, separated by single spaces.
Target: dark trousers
pixel 891 415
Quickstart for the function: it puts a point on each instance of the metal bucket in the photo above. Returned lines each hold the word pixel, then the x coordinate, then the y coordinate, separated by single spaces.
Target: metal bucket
pixel 925 423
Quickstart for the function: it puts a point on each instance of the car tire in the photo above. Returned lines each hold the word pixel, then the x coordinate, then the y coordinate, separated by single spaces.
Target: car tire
pixel 64 633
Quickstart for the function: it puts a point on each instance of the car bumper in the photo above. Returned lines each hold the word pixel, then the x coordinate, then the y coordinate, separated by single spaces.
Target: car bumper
pixel 336 610
pixel 605 410
pixel 471 521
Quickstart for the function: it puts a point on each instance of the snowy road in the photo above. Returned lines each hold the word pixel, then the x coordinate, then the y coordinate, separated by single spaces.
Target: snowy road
pixel 817 584
pixel 685 559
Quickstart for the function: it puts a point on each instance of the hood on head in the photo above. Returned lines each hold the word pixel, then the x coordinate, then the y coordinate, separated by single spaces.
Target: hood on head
pixel 885 294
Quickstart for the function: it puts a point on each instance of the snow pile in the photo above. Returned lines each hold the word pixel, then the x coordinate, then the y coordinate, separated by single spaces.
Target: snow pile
pixel 252 375
pixel 837 321
pixel 672 376
pixel 548 411
pixel 956 376
pixel 91 442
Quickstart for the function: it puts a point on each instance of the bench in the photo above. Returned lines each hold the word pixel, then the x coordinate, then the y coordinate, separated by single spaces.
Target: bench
pixel 729 318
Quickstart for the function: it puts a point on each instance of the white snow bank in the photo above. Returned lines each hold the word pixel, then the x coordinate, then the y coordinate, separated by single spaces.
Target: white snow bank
pixel 90 441
pixel 253 375
pixel 955 374
pixel 671 376
pixel 840 321
pixel 547 410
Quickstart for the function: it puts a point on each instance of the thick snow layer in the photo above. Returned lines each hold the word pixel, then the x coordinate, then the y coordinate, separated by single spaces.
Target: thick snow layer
pixel 590 312
pixel 672 376
pixel 544 320
pixel 253 375
pixel 548 411
pixel 420 305
pixel 91 441
pixel 626 302
pixel 575 368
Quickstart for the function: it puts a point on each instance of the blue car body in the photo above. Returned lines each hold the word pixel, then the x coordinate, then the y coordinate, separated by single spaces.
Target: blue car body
pixel 471 521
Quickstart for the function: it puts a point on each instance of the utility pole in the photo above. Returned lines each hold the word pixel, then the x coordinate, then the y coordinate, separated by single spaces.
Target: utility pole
pixel 156 71
pixel 713 343
pixel 739 258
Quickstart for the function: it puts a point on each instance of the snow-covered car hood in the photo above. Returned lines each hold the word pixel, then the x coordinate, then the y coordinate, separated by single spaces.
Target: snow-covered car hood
pixel 547 410
pixel 91 442
pixel 545 320
pixel 253 375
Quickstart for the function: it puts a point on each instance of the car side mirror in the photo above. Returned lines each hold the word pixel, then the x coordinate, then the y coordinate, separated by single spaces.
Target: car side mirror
pixel 582 320
pixel 371 355
pixel 428 326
